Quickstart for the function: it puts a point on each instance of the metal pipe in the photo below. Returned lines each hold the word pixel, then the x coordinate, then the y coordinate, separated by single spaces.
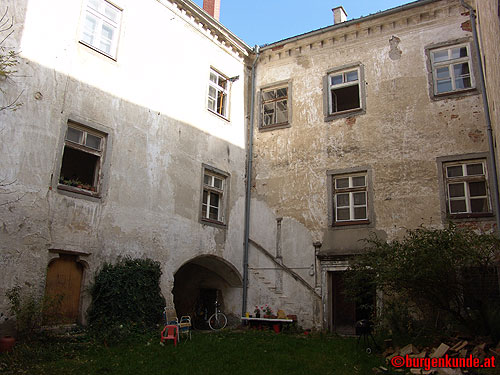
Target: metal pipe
pixel 249 185
pixel 482 86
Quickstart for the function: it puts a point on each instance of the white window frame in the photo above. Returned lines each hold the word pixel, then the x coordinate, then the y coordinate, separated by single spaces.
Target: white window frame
pixel 350 191
pixel 345 83
pixel 466 179
pixel 208 187
pixel 214 103
pixel 101 19
pixel 274 101
pixel 449 63
pixel 82 145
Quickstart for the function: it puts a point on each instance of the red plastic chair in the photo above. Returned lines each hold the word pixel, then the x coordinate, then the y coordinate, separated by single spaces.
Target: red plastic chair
pixel 172 333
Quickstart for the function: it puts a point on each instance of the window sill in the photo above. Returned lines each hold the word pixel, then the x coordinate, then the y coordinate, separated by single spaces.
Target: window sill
pixel 465 216
pixel 97 50
pixel 76 190
pixel 349 112
pixel 218 115
pixel 455 94
pixel 268 128
pixel 214 223
pixel 348 223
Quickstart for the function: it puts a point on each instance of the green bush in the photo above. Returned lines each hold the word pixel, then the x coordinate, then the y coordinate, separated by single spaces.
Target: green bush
pixel 447 277
pixel 126 297
pixel 30 310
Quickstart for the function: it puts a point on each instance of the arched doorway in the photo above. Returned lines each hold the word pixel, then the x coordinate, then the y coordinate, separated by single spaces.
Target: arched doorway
pixel 201 281
pixel 62 287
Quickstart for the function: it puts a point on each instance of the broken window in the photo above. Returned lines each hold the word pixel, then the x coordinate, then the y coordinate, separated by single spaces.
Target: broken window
pixel 274 107
pixel 213 195
pixel 82 160
pixel 344 91
pixel 101 26
pixel 451 69
pixel 218 93
pixel 466 187
pixel 350 199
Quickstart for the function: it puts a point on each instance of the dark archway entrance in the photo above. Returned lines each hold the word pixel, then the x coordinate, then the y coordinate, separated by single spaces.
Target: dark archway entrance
pixel 202 280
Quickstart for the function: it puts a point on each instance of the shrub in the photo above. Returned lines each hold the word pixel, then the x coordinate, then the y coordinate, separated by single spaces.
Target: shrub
pixel 30 310
pixel 434 271
pixel 126 296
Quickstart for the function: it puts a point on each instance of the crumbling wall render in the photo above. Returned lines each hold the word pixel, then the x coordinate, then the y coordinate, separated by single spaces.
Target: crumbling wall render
pixel 151 181
pixel 399 137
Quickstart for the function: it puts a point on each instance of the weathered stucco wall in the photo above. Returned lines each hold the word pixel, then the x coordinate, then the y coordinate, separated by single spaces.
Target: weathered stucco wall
pixel 488 13
pixel 151 102
pixel 397 137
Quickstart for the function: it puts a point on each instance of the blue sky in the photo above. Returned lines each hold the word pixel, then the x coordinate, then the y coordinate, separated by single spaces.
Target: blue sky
pixel 266 21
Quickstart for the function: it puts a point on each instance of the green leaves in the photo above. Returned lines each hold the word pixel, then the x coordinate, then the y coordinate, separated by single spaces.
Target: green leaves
pixel 126 296
pixel 429 269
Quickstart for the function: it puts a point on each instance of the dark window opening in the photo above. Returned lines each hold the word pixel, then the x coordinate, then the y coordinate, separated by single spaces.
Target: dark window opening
pixel 345 98
pixel 79 168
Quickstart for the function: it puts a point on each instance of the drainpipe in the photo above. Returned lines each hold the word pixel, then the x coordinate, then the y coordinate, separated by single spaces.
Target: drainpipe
pixel 249 185
pixel 472 14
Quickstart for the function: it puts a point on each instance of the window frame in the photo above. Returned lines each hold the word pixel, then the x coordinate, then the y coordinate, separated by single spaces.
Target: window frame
pixel 223 193
pixel 445 181
pixel 101 18
pixel 274 87
pixel 450 62
pixel 333 192
pixel 216 86
pixel 101 176
pixel 328 87
pixel 473 63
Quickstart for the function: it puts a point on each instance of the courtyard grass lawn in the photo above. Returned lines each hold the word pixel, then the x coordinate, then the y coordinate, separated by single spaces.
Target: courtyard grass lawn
pixel 225 352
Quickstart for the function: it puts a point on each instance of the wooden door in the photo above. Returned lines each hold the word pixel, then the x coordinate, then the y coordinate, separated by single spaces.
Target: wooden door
pixel 64 280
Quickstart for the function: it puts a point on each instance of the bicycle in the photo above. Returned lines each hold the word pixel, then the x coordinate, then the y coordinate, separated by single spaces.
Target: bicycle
pixel 218 319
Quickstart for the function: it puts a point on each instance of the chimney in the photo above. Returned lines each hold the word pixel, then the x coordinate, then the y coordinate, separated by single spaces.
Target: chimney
pixel 212 7
pixel 339 15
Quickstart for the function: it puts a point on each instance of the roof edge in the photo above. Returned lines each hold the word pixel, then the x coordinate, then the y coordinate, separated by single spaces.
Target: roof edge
pixel 383 13
pixel 214 25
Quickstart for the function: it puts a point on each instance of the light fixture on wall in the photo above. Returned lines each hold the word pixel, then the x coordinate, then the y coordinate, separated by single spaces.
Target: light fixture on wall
pixel 311 270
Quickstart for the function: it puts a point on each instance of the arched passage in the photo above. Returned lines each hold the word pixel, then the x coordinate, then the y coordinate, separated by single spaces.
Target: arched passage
pixel 202 280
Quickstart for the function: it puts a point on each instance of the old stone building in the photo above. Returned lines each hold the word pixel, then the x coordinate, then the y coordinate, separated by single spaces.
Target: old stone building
pixel 369 126
pixel 131 142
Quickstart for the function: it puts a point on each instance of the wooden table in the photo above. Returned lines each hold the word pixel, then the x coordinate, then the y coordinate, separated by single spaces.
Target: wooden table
pixel 276 324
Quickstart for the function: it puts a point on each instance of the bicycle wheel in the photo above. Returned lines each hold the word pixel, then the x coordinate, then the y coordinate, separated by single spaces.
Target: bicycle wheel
pixel 218 321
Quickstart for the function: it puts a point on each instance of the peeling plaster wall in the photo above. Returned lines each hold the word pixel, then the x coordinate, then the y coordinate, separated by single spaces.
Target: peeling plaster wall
pixel 399 136
pixel 151 102
pixel 488 12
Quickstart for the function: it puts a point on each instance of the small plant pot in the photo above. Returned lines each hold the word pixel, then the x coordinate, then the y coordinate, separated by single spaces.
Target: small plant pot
pixel 7 343
pixel 267 316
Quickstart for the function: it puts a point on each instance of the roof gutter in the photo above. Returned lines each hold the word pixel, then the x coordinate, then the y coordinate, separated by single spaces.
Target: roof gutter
pixel 249 186
pixel 388 12
pixel 482 87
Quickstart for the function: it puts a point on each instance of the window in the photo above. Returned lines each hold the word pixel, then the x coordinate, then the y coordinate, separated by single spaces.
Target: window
pixel 274 107
pixel 466 187
pixel 218 93
pixel 344 91
pixel 215 186
pixel 451 69
pixel 101 26
pixel 82 160
pixel 350 199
